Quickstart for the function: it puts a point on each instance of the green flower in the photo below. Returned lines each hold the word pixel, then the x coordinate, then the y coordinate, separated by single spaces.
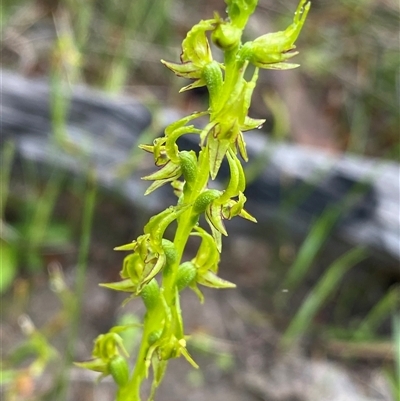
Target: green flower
pixel 270 51
pixel 217 212
pixel 150 253
pixel 189 172
pixel 169 172
pixel 107 358
pixel 159 151
pixel 196 54
pixel 206 262
pixel 226 36
pixel 139 268
pixel 203 268
pixel 229 121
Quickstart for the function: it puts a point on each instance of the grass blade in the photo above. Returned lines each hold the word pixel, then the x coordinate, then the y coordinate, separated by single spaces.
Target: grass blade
pixel 319 294
pixel 7 156
pixel 379 312
pixel 315 239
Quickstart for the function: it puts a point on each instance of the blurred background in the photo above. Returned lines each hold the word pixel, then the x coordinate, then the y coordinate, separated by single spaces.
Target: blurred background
pixel 334 337
pixel 349 59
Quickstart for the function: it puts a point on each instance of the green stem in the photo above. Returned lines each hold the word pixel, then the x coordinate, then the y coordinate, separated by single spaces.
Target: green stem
pixel 131 392
pixel 231 72
pixel 186 224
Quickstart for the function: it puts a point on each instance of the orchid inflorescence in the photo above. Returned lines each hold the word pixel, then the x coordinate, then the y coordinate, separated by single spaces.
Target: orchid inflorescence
pixel 154 269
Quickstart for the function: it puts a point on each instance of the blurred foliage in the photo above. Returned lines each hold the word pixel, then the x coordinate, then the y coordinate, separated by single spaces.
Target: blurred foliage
pixel 349 53
pixel 350 61
pixel 29 230
pixel 349 56
pixel 105 40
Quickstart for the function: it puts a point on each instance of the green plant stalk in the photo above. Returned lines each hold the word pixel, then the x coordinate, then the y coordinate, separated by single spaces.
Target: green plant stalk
pixel 184 227
pixel 41 217
pixel 153 255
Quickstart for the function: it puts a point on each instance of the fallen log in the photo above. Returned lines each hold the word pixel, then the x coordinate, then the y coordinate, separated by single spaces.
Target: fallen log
pixel 293 186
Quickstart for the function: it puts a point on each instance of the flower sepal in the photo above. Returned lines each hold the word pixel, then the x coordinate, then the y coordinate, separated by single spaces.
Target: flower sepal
pixel 272 50
pixel 210 279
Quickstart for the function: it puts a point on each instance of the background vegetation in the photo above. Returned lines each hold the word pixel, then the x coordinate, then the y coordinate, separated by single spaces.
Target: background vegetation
pixel 343 98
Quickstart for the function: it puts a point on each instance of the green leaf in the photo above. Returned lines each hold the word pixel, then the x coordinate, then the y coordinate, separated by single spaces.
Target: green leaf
pixel 8 264
pixel 173 135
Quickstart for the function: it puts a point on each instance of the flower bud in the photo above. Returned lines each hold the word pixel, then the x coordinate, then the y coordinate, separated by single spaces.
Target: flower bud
pixel 119 370
pixel 170 252
pixel 226 36
pixel 151 294
pixel 188 166
pixel 212 75
pixel 204 199
pixel 186 274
